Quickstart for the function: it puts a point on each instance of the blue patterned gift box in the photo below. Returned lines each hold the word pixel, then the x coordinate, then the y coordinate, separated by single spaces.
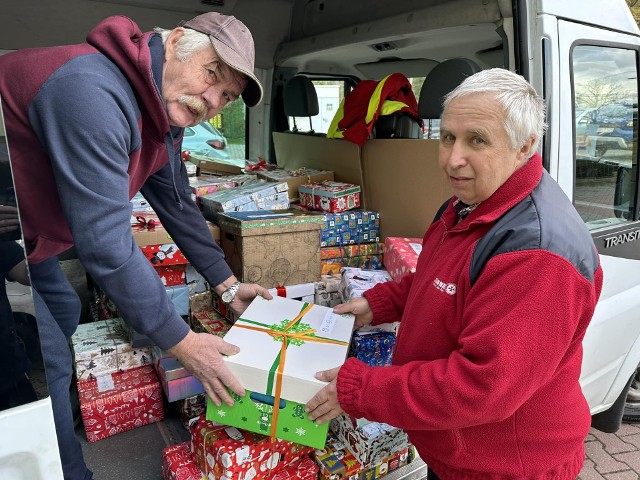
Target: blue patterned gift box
pixel 351 227
pixel 373 348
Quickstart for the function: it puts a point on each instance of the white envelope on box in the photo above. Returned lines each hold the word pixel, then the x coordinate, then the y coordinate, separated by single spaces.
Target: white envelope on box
pixel 318 341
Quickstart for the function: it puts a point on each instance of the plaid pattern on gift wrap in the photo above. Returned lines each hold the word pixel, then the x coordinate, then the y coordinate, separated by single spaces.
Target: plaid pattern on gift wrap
pixel 177 463
pixel 233 454
pixel 103 347
pixel 119 402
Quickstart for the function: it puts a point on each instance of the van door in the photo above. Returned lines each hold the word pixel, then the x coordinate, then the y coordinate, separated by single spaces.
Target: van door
pixel 597 99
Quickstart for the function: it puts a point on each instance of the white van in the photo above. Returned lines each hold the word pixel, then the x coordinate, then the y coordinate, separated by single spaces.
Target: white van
pixel 581 55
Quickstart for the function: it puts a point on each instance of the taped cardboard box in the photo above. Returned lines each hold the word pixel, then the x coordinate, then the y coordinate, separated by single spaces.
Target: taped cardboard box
pixel 400 178
pixel 272 249
pixel 208 166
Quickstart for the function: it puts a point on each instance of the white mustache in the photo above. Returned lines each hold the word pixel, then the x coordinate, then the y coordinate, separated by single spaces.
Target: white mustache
pixel 194 104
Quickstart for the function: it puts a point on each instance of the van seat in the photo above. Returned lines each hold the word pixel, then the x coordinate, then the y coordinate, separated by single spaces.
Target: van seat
pixel 300 100
pixel 441 80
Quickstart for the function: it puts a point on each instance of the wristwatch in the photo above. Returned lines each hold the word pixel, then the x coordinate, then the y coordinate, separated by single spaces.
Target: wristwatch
pixel 229 294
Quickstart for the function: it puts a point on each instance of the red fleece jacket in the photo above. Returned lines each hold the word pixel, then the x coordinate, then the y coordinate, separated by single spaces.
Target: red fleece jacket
pixel 485 375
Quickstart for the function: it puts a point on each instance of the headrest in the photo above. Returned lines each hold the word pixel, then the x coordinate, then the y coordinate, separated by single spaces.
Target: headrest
pixel 441 80
pixel 300 97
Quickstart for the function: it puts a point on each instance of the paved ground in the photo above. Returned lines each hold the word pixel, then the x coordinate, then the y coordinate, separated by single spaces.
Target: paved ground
pixel 613 456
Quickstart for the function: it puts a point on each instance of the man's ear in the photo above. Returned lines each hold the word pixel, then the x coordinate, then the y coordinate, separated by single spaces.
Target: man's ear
pixel 525 151
pixel 171 43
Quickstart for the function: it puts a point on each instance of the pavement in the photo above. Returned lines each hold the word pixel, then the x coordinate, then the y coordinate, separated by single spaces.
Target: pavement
pixel 613 456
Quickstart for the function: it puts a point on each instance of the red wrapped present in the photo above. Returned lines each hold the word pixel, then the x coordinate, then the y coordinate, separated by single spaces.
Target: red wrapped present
pixel 121 401
pixel 328 196
pixel 165 254
pixel 172 275
pixel 305 469
pixel 234 454
pixel 177 463
pixel 401 255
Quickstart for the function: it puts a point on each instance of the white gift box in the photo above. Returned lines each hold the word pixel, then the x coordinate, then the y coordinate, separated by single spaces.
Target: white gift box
pixel 318 341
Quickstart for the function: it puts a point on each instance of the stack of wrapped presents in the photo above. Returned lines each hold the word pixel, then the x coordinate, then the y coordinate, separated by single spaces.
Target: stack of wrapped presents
pixel 303 236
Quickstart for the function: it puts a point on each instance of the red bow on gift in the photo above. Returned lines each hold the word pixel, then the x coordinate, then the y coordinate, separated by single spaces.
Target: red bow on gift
pixel 144 224
pixel 259 166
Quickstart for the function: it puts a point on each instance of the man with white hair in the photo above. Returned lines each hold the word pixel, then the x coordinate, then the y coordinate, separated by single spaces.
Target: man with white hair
pixel 485 374
pixel 90 125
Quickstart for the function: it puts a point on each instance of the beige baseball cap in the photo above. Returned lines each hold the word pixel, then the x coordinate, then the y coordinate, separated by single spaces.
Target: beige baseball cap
pixel 233 42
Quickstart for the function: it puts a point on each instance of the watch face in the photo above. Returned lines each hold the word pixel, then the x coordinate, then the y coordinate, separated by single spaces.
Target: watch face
pixel 227 296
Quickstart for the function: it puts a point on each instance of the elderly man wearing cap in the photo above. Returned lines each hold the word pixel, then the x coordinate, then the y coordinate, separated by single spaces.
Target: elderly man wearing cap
pixel 90 125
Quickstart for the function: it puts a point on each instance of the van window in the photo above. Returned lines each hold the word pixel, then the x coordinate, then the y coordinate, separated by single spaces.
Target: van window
pixel 330 95
pixel 605 93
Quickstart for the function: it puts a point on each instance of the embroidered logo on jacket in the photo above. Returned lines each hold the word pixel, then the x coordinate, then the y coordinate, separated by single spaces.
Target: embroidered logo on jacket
pixel 449 288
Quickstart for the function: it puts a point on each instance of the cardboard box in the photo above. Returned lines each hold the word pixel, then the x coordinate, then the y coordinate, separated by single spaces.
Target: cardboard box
pixel 329 196
pixel 147 230
pixel 208 166
pixel 231 453
pixel 371 442
pixel 401 255
pixel 103 347
pixel 283 343
pixel 122 401
pixel 342 158
pixel 337 462
pixel 177 463
pixel 296 177
pixel 400 178
pixel 272 249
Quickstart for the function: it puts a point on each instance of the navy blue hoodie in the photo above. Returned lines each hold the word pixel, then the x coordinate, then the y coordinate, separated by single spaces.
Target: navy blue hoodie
pixel 87 129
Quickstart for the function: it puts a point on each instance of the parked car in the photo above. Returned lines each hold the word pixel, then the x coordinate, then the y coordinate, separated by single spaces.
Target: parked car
pixel 205 140
pixel 615 120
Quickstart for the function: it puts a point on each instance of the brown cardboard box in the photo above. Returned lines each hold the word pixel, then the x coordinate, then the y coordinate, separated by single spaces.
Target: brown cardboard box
pixel 216 168
pixel 339 156
pixel 400 178
pixel 157 235
pixel 272 248
pixel 403 182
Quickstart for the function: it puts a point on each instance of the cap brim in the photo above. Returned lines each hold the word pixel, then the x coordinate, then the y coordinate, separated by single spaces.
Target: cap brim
pixel 252 94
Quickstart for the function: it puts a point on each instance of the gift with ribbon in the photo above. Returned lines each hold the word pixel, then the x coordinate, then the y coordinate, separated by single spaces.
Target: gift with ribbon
pixel 283 343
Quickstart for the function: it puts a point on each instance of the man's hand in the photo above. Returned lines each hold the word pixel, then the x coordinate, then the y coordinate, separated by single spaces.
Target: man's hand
pixel 8 219
pixel 324 405
pixel 201 354
pixel 246 294
pixel 359 306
